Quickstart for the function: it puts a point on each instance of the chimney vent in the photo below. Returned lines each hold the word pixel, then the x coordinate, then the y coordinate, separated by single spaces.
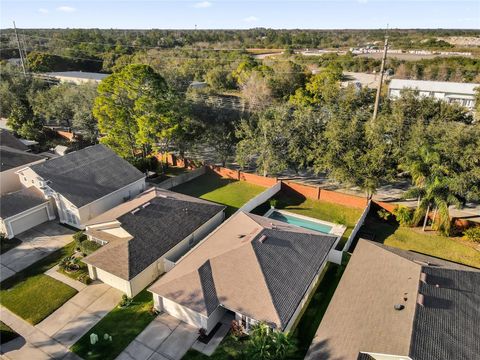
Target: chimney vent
pixel 399 307
pixel 420 299
pixel 262 238
pixel 423 277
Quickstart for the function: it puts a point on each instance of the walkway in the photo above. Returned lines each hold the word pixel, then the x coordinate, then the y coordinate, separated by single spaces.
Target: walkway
pixel 51 338
pixel 37 243
pixel 79 314
pixel 165 338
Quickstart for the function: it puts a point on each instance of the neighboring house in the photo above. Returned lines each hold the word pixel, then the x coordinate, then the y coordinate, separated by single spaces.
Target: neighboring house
pixel 85 183
pixel 257 268
pixel 12 160
pixel 397 304
pixel 77 77
pixel 7 139
pixel 198 85
pixel 461 93
pixel 143 237
pixel 22 210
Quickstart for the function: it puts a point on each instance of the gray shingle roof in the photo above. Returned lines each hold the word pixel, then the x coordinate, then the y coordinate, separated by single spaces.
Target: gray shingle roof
pixel 11 158
pixel 289 262
pixel 19 201
pixel 208 287
pixel 447 326
pixel 155 229
pixel 87 175
pixel 7 139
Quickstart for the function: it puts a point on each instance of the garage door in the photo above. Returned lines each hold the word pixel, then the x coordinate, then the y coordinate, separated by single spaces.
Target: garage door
pixel 182 313
pixel 28 221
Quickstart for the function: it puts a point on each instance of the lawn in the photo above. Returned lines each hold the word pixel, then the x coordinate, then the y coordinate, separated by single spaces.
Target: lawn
pixel 317 209
pixel 213 187
pixel 123 325
pixel 173 171
pixel 8 244
pixel 6 333
pixel 33 295
pixel 429 242
pixel 305 330
pixel 36 297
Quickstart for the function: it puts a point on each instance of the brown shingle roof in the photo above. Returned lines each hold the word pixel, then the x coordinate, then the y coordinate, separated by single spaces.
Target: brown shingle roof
pixel 246 273
pixel 361 315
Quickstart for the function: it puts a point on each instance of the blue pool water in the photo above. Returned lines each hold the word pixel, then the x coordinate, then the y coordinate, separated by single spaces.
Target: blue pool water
pixel 300 222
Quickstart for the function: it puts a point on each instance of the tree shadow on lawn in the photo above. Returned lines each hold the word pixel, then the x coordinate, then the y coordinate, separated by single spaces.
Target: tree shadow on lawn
pixel 203 184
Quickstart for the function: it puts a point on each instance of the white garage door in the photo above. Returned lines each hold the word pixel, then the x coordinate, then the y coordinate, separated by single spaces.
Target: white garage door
pixel 28 221
pixel 182 313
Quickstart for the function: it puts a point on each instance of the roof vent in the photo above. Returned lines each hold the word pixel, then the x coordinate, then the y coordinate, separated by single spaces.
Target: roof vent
pixel 420 262
pixel 133 212
pixel 420 299
pixel 423 277
pixel 262 238
pixel 145 205
pixel 162 196
pixel 399 307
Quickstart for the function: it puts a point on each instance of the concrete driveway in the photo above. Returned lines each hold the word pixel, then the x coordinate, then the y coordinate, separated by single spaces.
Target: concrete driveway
pixel 37 243
pixel 78 315
pixel 166 338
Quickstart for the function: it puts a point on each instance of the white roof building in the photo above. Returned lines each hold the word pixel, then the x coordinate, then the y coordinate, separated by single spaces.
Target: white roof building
pixel 77 77
pixel 462 93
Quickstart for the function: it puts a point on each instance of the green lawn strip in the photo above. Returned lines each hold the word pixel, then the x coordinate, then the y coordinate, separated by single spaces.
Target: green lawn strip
pixel 213 187
pixel 36 297
pixel 123 325
pixel 316 308
pixel 310 319
pixel 33 295
pixel 429 242
pixel 6 333
pixel 8 244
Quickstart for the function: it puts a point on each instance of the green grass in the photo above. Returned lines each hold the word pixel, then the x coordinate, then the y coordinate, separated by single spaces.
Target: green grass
pixel 230 348
pixel 6 333
pixel 175 171
pixel 8 244
pixel 32 295
pixel 36 297
pixel 317 209
pixel 122 324
pixel 224 191
pixel 429 242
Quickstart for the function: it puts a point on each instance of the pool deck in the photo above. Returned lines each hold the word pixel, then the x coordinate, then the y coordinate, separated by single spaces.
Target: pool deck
pixel 336 229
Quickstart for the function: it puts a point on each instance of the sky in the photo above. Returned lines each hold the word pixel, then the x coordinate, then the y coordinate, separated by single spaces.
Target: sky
pixel 237 14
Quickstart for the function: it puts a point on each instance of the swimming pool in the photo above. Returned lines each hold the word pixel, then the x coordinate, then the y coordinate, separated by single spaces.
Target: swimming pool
pixel 299 221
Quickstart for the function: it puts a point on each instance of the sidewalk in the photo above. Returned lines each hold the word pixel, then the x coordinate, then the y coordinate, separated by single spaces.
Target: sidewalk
pixel 33 343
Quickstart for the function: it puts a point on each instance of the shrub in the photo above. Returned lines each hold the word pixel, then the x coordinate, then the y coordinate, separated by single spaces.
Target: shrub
pixel 79 237
pixel 383 214
pixel 125 302
pixel 69 263
pixel 404 215
pixel 85 279
pixel 273 203
pixel 88 246
pixel 473 234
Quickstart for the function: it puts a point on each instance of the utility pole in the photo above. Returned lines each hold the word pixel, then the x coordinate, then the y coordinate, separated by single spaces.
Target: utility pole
pixel 380 81
pixel 20 50
pixel 25 51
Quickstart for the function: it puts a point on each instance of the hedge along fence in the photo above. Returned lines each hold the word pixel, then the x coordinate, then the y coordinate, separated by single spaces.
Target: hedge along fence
pixel 182 178
pixel 357 227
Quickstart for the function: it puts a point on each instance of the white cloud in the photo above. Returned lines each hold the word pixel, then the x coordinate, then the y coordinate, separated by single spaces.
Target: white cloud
pixel 251 19
pixel 362 1
pixel 202 5
pixel 66 9
pixel 43 11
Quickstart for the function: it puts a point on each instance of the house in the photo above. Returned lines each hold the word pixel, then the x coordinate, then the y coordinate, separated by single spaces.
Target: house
pixel 23 209
pixel 13 156
pixel 143 237
pixel 84 183
pixel 256 268
pixel 77 77
pixel 397 304
pixel 461 93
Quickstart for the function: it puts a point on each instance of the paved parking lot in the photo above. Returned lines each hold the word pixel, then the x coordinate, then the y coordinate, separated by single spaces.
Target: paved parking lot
pixel 166 338
pixel 37 243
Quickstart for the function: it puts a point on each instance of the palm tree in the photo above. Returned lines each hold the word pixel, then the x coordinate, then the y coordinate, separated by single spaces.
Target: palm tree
pixel 268 344
pixel 432 188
